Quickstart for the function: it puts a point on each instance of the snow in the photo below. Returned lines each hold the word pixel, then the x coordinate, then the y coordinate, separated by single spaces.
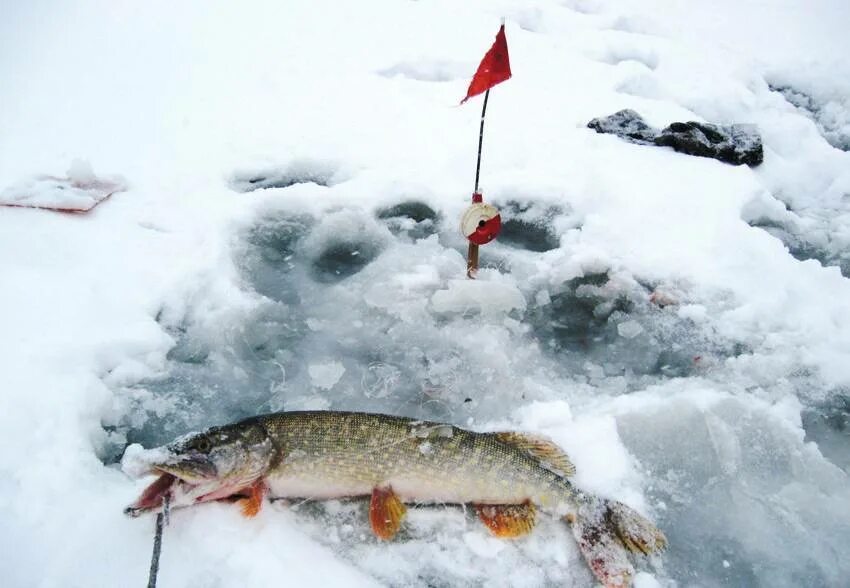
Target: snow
pixel 289 240
pixel 136 461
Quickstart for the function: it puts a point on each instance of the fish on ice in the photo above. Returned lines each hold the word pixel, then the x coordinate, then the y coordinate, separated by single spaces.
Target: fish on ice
pixel 507 476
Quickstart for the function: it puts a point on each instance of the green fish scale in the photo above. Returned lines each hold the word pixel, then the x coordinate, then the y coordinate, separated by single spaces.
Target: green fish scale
pixel 361 451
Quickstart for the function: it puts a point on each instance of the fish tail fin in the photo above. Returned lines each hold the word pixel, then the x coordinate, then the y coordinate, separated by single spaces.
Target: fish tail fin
pixel 606 531
pixel 636 532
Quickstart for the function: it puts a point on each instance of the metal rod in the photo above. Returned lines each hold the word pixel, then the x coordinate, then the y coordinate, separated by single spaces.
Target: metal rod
pixel 481 139
pixel 161 521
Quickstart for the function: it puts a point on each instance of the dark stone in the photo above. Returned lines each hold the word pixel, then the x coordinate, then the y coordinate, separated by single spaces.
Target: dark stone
pixel 735 144
pixel 626 124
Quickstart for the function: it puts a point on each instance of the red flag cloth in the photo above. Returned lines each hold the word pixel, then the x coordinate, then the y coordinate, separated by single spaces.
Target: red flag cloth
pixel 494 69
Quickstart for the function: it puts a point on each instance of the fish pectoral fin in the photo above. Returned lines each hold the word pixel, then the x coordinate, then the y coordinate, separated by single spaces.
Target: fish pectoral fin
pixel 252 504
pixel 386 510
pixel 507 520
pixel 545 450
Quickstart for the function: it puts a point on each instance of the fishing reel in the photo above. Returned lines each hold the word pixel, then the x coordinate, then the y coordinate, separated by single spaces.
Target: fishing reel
pixel 481 222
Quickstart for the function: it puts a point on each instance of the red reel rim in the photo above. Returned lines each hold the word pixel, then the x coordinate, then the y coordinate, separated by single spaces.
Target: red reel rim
pixel 481 223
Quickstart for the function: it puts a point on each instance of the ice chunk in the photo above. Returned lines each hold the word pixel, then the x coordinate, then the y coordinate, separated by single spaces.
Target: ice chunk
pixel 326 375
pixel 629 329
pixel 81 171
pixel 486 296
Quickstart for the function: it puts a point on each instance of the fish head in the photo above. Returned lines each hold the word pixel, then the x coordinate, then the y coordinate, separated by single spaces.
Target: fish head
pixel 233 454
pixel 215 464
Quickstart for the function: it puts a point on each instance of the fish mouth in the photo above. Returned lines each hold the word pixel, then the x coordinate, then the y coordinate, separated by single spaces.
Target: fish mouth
pixel 153 496
pixel 188 476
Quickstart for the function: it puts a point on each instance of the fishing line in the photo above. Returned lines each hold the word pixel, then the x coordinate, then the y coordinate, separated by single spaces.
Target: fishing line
pixel 161 522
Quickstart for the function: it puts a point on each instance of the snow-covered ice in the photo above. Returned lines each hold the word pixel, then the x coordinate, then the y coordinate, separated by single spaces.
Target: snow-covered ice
pixel 289 240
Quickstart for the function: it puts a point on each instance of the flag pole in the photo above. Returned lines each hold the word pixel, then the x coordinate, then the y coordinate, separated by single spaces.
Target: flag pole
pixel 472 252
pixel 481 140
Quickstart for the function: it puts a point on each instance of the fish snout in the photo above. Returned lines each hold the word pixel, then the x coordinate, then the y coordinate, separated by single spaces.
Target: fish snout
pixel 193 467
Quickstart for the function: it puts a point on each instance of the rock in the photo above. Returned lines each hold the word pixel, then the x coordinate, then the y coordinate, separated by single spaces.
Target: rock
pixel 626 124
pixel 735 144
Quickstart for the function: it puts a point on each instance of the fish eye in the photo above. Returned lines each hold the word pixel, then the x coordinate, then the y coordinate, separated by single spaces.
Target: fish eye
pixel 202 444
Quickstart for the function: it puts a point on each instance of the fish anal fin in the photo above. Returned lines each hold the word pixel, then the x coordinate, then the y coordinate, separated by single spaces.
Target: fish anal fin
pixel 550 455
pixel 507 520
pixel 386 511
pixel 253 503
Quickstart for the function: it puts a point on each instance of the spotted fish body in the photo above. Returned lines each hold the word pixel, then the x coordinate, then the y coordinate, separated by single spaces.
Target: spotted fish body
pixel 337 454
pixel 397 460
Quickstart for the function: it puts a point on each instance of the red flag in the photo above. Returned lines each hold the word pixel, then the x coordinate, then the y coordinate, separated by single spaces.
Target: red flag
pixel 494 69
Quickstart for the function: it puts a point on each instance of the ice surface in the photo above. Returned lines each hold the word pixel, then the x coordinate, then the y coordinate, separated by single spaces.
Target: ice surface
pixel 303 171
pixel 831 114
pixel 290 242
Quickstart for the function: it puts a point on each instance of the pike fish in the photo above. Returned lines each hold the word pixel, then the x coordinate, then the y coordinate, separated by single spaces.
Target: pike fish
pixel 507 476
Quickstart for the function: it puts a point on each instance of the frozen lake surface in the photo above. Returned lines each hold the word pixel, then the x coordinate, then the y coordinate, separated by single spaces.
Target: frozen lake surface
pixel 289 240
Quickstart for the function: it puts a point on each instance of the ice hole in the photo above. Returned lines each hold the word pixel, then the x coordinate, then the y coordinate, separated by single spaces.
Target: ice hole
pixel 529 226
pixel 303 171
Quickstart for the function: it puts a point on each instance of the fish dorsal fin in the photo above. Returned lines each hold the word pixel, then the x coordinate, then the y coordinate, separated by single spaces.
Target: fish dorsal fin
pixel 550 455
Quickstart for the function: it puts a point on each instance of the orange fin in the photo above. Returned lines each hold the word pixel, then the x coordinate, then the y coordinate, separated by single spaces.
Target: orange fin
pixel 604 553
pixel 606 532
pixel 385 513
pixel 507 520
pixel 545 450
pixel 252 504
